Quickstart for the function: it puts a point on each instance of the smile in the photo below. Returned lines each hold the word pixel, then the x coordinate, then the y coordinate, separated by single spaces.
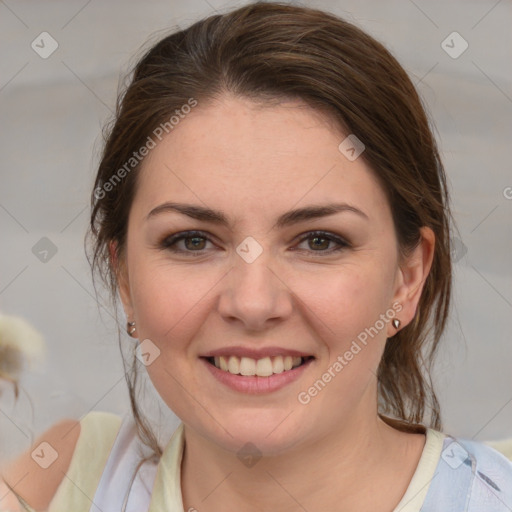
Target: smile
pixel 265 367
pixel 258 374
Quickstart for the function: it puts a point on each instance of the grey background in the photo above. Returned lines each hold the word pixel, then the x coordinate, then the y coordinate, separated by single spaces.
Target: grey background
pixel 52 111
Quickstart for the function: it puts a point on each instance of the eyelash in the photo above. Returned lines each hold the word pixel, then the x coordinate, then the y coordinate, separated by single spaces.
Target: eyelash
pixel 170 241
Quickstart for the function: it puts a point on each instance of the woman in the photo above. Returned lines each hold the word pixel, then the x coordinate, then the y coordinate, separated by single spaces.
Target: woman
pixel 273 212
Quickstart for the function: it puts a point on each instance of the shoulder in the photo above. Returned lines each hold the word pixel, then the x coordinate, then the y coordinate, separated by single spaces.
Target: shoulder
pixel 490 466
pixel 38 473
pixel 503 446
pixel 484 457
pixel 477 473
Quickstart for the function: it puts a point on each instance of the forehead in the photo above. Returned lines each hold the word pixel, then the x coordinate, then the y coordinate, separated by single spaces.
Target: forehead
pixel 252 159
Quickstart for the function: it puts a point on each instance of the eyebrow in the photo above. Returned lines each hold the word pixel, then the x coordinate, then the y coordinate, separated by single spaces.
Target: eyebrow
pixel 286 219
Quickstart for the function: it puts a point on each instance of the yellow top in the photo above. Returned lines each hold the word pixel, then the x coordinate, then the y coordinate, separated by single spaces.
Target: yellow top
pixel 97 436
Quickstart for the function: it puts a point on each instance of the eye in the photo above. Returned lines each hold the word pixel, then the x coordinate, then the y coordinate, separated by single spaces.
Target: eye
pixel 195 241
pixel 321 240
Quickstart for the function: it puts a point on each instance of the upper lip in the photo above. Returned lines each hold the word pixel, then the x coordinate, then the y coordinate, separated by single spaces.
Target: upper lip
pixel 256 353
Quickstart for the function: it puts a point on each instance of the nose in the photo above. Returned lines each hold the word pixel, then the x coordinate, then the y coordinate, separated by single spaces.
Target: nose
pixel 255 294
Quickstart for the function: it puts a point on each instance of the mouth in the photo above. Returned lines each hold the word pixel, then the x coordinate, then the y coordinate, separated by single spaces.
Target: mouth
pixel 265 367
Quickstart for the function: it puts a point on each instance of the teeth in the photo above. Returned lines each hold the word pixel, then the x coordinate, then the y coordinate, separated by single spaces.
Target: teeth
pixel 278 365
pixel 264 367
pixel 247 366
pixel 261 367
pixel 222 364
pixel 234 365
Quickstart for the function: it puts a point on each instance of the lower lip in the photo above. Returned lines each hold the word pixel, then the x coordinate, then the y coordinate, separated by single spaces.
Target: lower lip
pixel 254 384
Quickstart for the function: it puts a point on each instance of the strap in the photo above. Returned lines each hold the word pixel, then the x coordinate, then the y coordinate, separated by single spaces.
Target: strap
pixel 97 434
pixel 119 483
pixel 167 489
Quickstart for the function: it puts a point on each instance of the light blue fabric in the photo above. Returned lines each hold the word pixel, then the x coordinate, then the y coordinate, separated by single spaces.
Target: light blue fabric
pixel 470 477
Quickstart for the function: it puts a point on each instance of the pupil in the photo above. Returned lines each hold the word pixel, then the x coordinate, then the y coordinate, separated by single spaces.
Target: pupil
pixel 195 241
pixel 318 238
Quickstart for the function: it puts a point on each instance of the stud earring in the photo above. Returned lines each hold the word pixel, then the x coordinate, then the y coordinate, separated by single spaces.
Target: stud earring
pixel 396 323
pixel 130 328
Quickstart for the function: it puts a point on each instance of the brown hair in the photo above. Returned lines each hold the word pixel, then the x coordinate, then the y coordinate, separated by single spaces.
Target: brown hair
pixel 265 51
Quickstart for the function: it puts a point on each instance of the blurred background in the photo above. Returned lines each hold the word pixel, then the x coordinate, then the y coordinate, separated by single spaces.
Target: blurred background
pixel 60 66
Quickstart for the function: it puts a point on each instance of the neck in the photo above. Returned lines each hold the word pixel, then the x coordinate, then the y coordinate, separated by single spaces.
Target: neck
pixel 333 472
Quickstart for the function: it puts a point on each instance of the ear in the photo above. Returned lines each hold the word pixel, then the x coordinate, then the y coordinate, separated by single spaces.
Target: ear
pixel 411 276
pixel 119 267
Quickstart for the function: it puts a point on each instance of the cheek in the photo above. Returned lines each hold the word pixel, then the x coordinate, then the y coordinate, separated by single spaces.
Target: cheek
pixel 347 300
pixel 344 308
pixel 169 309
pixel 170 301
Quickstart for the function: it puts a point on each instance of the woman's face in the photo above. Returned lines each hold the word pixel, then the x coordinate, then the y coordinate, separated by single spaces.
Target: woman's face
pixel 263 283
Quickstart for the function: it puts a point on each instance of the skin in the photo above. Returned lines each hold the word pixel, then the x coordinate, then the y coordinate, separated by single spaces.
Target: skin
pixel 36 484
pixel 255 162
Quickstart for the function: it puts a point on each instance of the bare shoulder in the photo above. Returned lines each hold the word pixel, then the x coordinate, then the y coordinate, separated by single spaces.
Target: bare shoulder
pixel 37 473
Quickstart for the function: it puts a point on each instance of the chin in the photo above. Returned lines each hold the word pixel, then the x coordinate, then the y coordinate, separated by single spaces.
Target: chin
pixel 265 436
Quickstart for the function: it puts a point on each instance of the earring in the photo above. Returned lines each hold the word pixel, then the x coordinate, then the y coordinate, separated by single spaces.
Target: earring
pixel 396 323
pixel 130 328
